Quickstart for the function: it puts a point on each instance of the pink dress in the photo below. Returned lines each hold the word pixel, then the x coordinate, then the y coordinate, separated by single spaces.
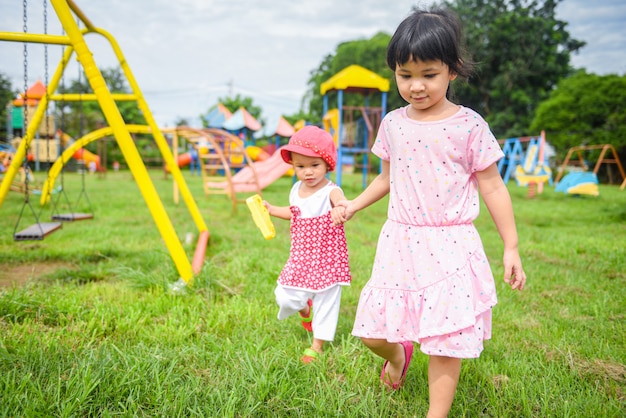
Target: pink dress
pixel 431 281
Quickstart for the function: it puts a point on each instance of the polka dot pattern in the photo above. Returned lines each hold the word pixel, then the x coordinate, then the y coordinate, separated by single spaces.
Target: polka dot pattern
pixel 431 282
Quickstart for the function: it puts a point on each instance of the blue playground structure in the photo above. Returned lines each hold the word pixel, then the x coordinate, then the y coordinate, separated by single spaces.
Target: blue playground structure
pixel 354 128
pixel 519 159
pixel 525 161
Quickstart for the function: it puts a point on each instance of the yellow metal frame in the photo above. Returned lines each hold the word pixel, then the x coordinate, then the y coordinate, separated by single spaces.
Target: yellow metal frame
pixel 74 40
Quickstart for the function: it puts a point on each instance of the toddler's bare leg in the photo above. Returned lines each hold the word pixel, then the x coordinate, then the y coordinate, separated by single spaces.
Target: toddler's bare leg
pixel 318 345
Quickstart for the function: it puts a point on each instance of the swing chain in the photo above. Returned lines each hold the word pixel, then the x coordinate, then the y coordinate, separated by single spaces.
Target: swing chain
pixel 47 80
pixel 25 100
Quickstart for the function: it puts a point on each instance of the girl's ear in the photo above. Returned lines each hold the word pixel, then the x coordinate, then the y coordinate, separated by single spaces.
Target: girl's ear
pixel 454 74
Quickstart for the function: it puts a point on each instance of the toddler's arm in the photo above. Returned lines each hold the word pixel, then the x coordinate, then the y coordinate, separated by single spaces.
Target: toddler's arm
pixel 498 202
pixel 282 212
pixel 337 212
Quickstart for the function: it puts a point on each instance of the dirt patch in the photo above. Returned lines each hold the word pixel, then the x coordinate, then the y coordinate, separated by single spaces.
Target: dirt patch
pixel 18 275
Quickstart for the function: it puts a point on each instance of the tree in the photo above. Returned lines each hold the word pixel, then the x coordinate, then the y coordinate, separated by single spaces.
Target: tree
pixel 181 122
pixel 522 51
pixel 6 95
pixel 585 109
pixel 368 53
pixel 78 118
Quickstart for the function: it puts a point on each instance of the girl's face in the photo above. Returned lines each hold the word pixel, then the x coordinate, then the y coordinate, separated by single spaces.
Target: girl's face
pixel 310 170
pixel 423 84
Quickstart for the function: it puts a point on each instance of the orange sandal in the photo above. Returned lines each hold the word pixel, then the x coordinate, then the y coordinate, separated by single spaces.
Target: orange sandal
pixel 306 320
pixel 309 356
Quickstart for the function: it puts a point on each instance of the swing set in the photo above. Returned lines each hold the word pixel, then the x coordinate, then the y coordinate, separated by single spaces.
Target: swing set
pixel 73 40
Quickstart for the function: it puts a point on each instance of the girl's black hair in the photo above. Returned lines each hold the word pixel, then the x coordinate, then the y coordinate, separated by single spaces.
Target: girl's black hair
pixel 430 35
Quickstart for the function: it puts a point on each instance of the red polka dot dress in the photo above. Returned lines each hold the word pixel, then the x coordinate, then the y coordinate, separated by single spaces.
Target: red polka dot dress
pixel 431 282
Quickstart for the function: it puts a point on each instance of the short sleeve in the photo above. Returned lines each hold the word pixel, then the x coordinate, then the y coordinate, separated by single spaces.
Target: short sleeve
pixel 381 144
pixel 482 149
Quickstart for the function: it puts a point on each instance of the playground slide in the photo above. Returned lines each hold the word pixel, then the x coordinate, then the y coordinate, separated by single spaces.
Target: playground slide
pixel 267 171
pixel 88 157
pixel 184 159
pixel 80 154
pixel 577 183
pixel 257 153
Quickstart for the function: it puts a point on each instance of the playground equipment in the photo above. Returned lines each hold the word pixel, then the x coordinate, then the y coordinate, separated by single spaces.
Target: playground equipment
pixel 19 183
pixel 278 129
pixel 221 159
pixel 257 153
pixel 354 128
pixel 222 155
pixel 217 117
pixel 242 124
pixel 579 182
pixel 525 160
pixel 74 42
pixel 44 147
pixel 535 171
pixel 576 183
pixel 253 179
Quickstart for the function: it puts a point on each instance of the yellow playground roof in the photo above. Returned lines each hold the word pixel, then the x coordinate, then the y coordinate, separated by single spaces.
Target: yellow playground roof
pixel 355 78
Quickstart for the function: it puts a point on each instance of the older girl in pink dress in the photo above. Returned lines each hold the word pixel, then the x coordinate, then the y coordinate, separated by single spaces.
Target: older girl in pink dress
pixel 431 282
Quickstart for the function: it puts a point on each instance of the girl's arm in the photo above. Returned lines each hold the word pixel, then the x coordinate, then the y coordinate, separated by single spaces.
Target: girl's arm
pixel 282 212
pixel 376 190
pixel 498 201
pixel 336 196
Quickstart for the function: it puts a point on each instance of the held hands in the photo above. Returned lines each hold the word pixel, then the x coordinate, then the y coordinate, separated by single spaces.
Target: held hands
pixel 513 271
pixel 342 212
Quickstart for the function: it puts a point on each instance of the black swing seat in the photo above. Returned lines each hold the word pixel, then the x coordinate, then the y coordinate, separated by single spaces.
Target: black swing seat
pixel 37 231
pixel 70 217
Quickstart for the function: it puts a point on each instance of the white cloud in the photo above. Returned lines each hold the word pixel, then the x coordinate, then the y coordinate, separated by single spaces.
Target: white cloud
pixel 186 53
pixel 602 25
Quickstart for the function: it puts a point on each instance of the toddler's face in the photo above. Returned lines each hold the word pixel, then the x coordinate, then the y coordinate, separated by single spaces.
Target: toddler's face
pixel 310 170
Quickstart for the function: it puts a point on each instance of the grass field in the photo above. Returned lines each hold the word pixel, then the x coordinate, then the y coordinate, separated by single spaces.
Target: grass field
pixel 88 327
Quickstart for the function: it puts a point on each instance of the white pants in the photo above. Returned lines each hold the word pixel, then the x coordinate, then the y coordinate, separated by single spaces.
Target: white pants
pixel 325 308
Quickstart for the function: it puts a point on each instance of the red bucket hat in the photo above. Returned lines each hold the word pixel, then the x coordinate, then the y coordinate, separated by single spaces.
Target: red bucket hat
pixel 312 142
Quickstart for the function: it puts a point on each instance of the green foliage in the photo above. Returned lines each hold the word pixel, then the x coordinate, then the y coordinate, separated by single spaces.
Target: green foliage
pixel 585 109
pixel 368 53
pixel 522 51
pixel 6 95
pixel 78 118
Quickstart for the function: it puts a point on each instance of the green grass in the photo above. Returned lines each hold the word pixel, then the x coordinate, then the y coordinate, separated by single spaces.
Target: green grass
pixel 88 327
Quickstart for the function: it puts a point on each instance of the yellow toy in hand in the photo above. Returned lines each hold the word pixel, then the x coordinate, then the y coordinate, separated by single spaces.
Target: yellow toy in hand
pixel 261 216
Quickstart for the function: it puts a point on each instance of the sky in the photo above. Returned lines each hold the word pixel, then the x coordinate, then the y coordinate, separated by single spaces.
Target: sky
pixel 186 54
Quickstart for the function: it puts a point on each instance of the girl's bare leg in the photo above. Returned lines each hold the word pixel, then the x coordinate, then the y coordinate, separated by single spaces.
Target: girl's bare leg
pixel 392 352
pixel 318 345
pixel 443 377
